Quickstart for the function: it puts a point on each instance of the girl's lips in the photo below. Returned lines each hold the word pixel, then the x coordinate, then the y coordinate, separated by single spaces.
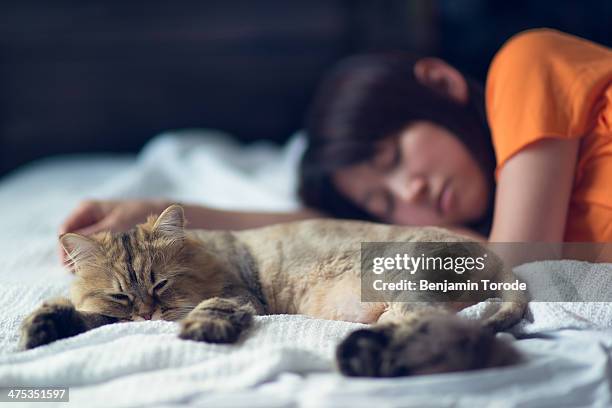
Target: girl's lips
pixel 447 199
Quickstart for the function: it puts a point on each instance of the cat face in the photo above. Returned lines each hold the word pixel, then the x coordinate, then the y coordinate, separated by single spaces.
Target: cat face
pixel 148 273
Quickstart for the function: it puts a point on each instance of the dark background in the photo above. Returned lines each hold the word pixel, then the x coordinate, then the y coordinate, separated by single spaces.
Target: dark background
pixel 83 76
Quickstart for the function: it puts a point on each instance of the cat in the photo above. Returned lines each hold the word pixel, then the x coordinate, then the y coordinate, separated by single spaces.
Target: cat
pixel 214 282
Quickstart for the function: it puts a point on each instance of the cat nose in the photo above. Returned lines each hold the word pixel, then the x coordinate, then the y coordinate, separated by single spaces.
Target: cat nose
pixel 147 315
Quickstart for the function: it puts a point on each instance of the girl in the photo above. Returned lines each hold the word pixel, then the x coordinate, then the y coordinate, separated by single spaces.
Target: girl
pixel 414 142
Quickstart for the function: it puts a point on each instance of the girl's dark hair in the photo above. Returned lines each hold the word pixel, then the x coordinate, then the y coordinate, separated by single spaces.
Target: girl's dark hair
pixel 370 97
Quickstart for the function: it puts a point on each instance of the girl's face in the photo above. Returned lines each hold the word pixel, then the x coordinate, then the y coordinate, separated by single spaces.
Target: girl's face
pixel 425 176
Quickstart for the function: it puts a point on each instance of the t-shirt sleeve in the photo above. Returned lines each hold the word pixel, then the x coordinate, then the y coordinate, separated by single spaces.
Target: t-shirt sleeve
pixel 540 86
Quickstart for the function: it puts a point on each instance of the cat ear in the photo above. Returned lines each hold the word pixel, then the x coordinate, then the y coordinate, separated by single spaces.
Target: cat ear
pixel 79 248
pixel 171 223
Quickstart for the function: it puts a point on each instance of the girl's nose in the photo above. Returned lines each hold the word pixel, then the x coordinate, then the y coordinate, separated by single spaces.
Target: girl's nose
pixel 407 188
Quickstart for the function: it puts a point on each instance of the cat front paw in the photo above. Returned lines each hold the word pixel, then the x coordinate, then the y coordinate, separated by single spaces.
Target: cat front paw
pixel 52 321
pixel 436 344
pixel 209 330
pixel 221 324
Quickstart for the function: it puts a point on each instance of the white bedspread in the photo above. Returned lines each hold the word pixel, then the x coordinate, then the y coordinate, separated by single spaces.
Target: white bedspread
pixel 285 360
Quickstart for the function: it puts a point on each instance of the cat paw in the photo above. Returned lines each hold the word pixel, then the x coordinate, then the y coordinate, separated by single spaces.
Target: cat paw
pixel 508 314
pixel 361 353
pixel 436 344
pixel 216 325
pixel 54 320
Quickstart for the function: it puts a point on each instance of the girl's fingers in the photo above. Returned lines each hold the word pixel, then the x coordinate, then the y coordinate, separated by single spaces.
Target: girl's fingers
pixel 85 215
pixel 92 229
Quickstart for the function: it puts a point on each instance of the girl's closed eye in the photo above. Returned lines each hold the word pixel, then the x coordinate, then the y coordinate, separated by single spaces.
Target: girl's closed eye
pixel 387 158
pixel 379 202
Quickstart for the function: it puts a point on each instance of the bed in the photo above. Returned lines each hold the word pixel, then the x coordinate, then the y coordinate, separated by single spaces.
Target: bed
pixel 285 361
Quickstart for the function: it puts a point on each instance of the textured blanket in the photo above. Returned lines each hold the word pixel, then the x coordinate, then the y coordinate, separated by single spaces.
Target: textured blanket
pixel 284 360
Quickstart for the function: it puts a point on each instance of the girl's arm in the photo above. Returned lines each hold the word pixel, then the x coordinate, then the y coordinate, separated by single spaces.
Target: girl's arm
pixel 533 193
pixel 93 216
pixel 209 218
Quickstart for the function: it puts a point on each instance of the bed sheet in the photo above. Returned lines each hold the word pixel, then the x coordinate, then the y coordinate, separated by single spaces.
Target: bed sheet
pixel 286 360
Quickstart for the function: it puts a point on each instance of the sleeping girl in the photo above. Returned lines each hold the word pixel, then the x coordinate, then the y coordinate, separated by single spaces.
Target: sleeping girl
pixel 392 139
pixel 413 141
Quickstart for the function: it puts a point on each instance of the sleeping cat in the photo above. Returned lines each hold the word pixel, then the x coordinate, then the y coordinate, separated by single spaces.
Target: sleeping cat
pixel 213 282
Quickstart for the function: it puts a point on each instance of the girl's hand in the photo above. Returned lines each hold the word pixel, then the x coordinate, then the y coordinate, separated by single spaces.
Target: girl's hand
pixel 94 216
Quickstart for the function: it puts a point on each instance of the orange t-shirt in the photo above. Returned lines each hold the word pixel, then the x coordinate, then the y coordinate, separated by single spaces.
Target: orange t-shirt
pixel 547 84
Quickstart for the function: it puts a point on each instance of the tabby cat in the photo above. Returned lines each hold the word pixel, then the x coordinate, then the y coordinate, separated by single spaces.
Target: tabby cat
pixel 214 282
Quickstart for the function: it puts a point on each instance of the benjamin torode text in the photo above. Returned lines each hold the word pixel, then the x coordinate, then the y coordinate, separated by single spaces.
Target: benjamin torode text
pixel 405 263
